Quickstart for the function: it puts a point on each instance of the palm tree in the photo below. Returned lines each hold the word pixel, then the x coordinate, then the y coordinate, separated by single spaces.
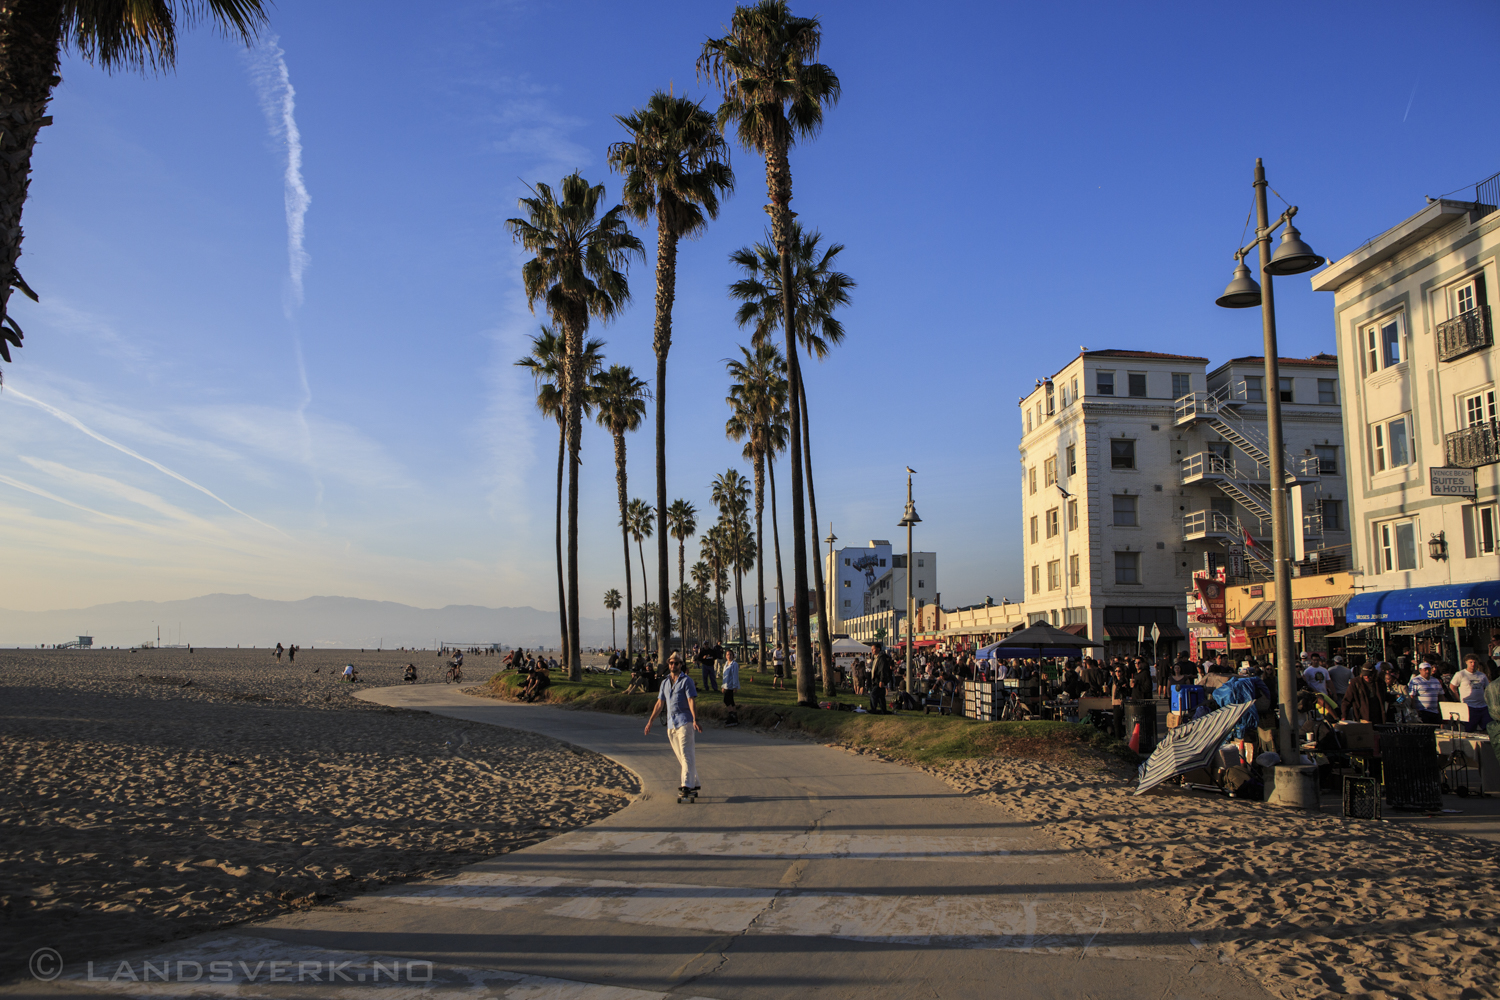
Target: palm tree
pixel 621 401
pixel 775 93
pixel 579 271
pixel 757 403
pixel 712 546
pixel 817 290
pixel 545 363
pixel 612 602
pixel 675 166
pixel 682 522
pixel 731 494
pixel 639 517
pixel 113 35
pixel 740 541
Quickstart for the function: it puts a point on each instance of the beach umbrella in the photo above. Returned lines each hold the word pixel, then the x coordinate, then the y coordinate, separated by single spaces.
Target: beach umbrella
pixel 1189 747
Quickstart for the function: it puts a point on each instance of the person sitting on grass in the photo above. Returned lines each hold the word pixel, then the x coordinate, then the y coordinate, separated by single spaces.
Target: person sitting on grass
pixel 537 684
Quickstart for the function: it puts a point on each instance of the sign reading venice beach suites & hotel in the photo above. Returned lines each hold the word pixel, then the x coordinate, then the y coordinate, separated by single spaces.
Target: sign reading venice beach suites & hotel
pixel 1450 481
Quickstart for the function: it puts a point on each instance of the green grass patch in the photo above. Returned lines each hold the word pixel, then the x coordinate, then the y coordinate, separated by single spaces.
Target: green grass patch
pixel 911 737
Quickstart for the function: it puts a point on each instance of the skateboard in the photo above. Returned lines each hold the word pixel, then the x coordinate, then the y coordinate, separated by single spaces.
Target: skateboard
pixel 688 795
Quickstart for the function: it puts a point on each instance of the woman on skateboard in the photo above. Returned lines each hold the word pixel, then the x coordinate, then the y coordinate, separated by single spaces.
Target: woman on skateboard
pixel 680 697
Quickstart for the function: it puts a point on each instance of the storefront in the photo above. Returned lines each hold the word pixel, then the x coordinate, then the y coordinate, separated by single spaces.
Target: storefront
pixel 1314 619
pixel 1450 620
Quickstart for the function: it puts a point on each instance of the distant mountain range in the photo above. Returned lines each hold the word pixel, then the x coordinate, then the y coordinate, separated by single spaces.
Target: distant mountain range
pixel 321 622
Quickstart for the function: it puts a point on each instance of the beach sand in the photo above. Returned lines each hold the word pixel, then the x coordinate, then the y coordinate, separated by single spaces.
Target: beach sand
pixel 1313 905
pixel 157 794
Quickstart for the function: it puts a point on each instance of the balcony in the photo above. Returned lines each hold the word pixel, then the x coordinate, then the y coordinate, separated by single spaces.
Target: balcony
pixel 1464 334
pixel 1474 446
pixel 1208 524
pixel 1205 464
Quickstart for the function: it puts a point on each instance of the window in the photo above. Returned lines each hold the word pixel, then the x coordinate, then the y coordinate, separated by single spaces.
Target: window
pixel 1127 567
pixel 1049 471
pixel 1382 344
pixel 1073 572
pixel 921 604
pixel 1333 515
pixel 1054 575
pixel 921 584
pixel 1122 454
pixel 1328 459
pixel 1051 401
pixel 1033 529
pixel 882 564
pixel 1395 546
pixel 921 562
pixel 1284 386
pixel 1182 384
pixel 1390 445
pixel 1028 421
pixel 1328 391
pixel 1075 386
pixel 1125 511
pixel 1253 390
pixel 1223 505
pixel 1072 515
pixel 1039 414
pixel 1052 528
pixel 1031 478
pixel 1137 383
pixel 1065 397
pixel 848 583
pixel 1478 408
pixel 846 562
pixel 1036 579
pixel 1481 524
pixel 1466 296
pixel 846 603
pixel 1105 383
pixel 1072 454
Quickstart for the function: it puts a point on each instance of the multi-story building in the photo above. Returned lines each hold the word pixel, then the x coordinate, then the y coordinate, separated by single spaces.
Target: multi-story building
pixel 1138 468
pixel 1418 366
pixel 869 579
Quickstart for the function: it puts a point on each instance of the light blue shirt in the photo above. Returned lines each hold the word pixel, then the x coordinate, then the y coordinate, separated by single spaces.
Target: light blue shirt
pixel 731 678
pixel 678 696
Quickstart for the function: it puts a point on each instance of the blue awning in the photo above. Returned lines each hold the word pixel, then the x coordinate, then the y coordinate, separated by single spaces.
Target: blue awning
pixel 1459 600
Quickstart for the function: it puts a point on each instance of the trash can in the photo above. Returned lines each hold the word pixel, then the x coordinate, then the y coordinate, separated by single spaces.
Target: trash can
pixel 1144 713
pixel 1409 759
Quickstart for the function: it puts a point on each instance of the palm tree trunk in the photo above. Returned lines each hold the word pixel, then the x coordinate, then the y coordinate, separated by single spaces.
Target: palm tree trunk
pixel 825 642
pixel 614 637
pixel 666 292
pixel 776 544
pixel 624 534
pixel 779 187
pixel 739 595
pixel 573 404
pixel 682 612
pixel 760 561
pixel 645 589
pixel 30 44
pixel 562 593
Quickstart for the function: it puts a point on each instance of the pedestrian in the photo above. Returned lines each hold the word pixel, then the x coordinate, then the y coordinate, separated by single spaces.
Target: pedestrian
pixel 1339 676
pixel 1363 700
pixel 1314 674
pixel 1426 690
pixel 681 698
pixel 291 653
pixel 881 673
pixel 731 683
pixel 711 651
pixel 1469 684
pixel 279 651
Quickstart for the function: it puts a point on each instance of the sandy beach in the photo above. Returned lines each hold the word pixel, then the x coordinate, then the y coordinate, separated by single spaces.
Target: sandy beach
pixel 1313 905
pixel 156 794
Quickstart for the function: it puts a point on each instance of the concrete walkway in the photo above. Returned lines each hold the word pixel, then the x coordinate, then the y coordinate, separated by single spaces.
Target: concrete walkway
pixel 802 871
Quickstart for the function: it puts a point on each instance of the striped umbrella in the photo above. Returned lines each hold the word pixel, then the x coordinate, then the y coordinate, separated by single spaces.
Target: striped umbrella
pixel 1188 747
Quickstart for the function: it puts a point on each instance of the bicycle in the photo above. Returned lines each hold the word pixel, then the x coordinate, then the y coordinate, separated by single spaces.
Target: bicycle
pixel 455 674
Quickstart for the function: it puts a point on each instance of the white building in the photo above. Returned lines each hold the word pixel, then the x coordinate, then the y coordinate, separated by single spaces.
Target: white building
pixel 1418 369
pixel 870 579
pixel 1138 468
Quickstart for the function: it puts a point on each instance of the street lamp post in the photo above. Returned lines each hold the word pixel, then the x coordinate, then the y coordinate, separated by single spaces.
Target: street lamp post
pixel 909 518
pixel 1292 257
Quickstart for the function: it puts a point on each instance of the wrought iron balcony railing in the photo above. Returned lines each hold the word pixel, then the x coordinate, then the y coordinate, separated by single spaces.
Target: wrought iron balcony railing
pixel 1464 334
pixel 1475 446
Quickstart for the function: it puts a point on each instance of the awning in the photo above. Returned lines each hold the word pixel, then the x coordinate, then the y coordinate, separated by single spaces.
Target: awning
pixel 1351 630
pixel 1418 628
pixel 1308 612
pixel 1080 628
pixel 1132 631
pixel 1460 600
pixel 1262 612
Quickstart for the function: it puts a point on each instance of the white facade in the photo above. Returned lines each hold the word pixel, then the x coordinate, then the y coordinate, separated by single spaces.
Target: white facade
pixel 1418 367
pixel 849 574
pixel 1125 464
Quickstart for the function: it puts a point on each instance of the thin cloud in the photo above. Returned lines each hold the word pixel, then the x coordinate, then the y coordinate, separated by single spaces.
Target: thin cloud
pixel 278 99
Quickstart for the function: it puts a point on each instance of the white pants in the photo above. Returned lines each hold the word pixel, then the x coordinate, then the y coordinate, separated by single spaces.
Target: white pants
pixel 681 739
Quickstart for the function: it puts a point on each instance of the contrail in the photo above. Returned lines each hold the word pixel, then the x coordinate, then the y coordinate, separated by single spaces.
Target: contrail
pixel 1413 97
pixel 73 421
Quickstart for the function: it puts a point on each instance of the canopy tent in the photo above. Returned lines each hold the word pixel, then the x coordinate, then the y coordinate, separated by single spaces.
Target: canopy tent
pixel 1039 639
pixel 850 647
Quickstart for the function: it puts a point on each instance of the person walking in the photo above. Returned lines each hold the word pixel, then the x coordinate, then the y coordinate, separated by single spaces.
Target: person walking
pixel 1469 684
pixel 881 672
pixel 731 683
pixel 710 652
pixel 680 697
pixel 1427 691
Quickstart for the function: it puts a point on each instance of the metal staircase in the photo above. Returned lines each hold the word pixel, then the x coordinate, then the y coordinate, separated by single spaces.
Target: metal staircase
pixel 1249 487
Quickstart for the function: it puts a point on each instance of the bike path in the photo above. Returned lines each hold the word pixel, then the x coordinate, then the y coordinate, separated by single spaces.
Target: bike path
pixel 802 871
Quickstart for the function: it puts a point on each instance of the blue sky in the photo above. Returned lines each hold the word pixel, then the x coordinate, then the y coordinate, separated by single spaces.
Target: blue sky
pixel 1010 181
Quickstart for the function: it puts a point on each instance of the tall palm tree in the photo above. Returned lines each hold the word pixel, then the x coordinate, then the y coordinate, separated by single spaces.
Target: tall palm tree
pixel 579 272
pixel 620 399
pixel 757 411
pixel 545 363
pixel 612 602
pixel 676 166
pixel 817 290
pixel 774 93
pixel 740 541
pixel 731 494
pixel 712 546
pixel 133 36
pixel 682 522
pixel 640 521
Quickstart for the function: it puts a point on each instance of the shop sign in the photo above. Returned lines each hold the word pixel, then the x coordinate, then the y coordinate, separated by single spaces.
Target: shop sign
pixel 1238 638
pixel 1210 600
pixel 1450 481
pixel 1313 617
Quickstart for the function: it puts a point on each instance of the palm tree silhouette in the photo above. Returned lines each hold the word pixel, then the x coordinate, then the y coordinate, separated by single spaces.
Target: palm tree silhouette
pixel 757 404
pixel 640 520
pixel 621 401
pixel 612 602
pixel 682 522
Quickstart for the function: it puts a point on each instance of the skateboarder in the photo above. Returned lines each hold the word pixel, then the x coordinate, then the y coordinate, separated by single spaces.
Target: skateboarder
pixel 680 696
